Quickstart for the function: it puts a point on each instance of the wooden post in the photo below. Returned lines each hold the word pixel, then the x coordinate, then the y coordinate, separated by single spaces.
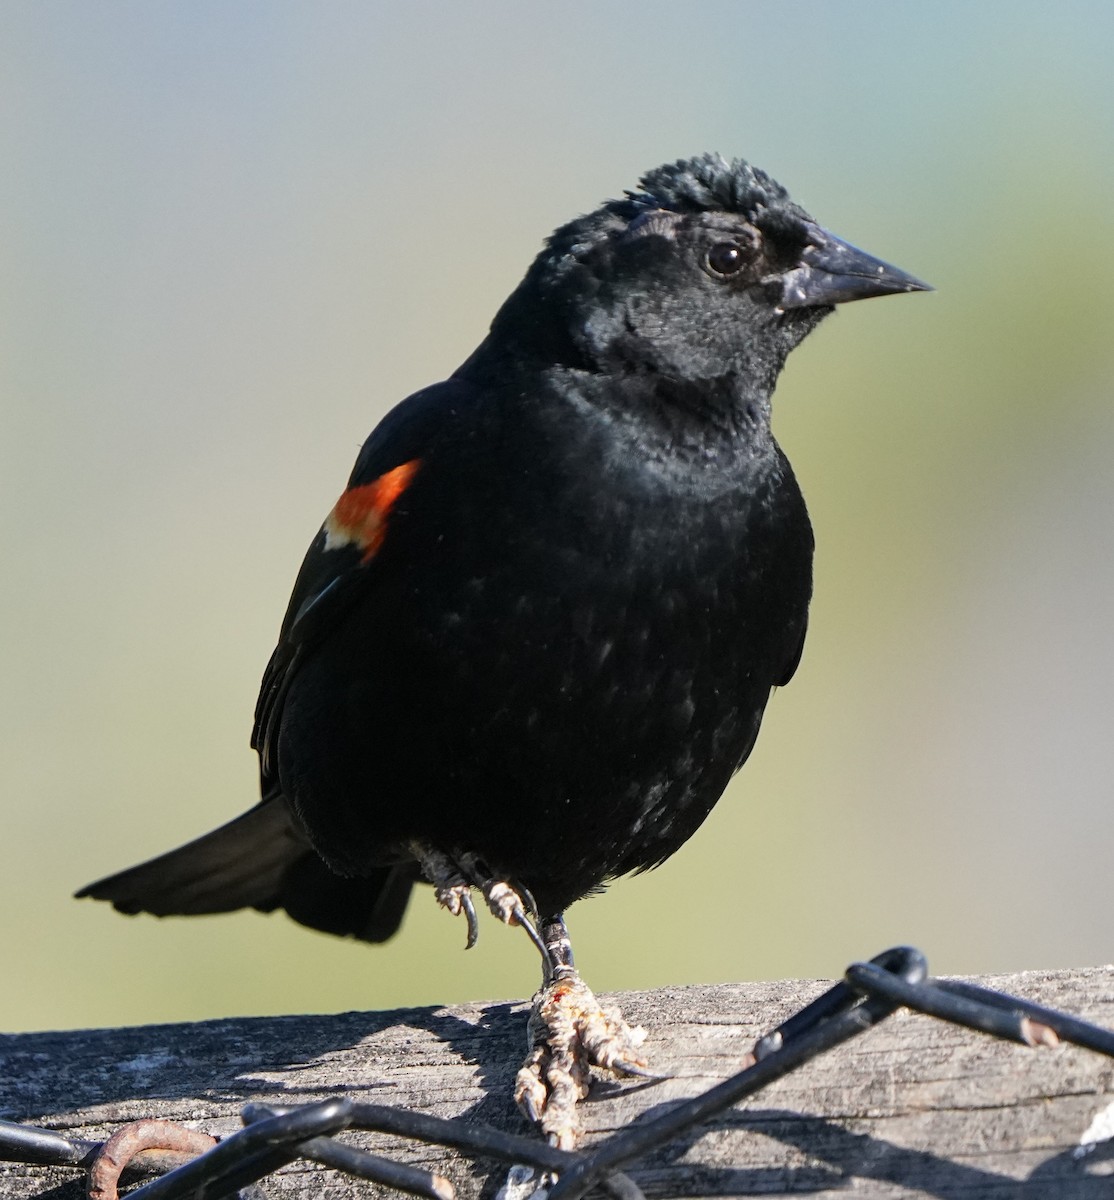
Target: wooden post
pixel 913 1107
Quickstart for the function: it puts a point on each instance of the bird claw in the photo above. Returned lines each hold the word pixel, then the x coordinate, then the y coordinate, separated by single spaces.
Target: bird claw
pixel 456 898
pixel 503 901
pixel 569 1034
pixel 453 880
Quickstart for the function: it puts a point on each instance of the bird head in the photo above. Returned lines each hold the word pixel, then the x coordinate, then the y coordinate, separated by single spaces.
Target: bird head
pixel 708 270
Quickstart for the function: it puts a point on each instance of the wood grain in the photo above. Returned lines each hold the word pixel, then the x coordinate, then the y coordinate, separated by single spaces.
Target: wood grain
pixel 912 1108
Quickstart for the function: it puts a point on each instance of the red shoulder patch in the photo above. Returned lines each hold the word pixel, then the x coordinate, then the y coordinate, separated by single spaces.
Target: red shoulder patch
pixel 359 517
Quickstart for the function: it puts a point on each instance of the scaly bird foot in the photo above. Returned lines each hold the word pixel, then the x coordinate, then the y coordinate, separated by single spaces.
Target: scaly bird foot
pixel 569 1034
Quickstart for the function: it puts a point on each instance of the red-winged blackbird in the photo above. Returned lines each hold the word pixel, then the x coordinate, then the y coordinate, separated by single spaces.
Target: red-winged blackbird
pixel 535 637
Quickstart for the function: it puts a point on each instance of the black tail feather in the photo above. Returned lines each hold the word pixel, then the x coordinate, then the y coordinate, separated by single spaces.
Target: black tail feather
pixel 261 860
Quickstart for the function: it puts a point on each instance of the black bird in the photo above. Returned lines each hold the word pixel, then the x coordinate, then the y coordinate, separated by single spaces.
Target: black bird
pixel 535 637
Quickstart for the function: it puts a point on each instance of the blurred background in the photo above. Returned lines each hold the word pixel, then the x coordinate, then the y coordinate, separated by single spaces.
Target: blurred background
pixel 234 235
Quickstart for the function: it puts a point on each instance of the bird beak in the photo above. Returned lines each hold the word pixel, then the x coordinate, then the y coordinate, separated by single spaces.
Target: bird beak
pixel 832 271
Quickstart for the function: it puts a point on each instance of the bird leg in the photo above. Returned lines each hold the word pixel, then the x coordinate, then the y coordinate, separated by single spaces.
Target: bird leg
pixel 568 1030
pixel 453 879
pixel 569 1033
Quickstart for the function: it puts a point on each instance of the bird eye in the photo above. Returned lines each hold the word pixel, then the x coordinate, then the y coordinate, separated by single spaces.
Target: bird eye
pixel 725 258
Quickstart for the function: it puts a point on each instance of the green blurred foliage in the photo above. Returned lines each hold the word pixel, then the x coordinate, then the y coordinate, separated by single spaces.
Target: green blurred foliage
pixel 232 236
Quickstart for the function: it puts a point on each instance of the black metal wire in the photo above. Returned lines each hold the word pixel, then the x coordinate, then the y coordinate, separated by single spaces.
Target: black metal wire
pixel 42 1147
pixel 376 1168
pixel 1066 1027
pixel 478 1140
pixel 839 1014
pixel 273 1136
pixel 247 1155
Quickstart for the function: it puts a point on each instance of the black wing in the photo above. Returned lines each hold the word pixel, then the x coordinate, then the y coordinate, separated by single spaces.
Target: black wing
pixel 341 561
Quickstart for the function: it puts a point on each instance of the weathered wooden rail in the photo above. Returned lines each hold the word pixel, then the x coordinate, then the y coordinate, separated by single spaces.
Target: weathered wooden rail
pixel 913 1107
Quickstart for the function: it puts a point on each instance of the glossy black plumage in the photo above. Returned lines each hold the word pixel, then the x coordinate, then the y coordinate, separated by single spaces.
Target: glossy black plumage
pixel 551 640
